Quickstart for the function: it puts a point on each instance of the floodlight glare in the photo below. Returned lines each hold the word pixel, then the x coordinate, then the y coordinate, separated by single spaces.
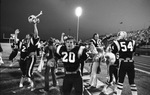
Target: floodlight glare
pixel 78 11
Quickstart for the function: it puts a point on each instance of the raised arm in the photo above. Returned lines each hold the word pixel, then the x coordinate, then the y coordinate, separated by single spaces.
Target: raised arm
pixel 35 20
pixel 35 30
pixel 16 35
pixel 62 37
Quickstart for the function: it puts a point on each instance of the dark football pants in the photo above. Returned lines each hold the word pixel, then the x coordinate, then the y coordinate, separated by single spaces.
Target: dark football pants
pixel 113 71
pixel 13 55
pixel 23 66
pixel 47 70
pixel 127 68
pixel 82 66
pixel 73 80
pixel 30 61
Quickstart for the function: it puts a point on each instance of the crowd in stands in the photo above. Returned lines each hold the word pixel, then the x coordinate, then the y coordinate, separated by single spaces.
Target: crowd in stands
pixel 142 37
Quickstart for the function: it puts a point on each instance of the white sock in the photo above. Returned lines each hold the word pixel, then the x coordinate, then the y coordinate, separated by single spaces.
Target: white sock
pixel 119 88
pixel 133 89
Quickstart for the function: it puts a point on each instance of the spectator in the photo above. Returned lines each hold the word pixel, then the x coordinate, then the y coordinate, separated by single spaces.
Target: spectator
pixel 15 47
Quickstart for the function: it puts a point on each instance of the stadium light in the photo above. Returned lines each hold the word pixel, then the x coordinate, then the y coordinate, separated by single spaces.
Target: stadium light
pixel 78 12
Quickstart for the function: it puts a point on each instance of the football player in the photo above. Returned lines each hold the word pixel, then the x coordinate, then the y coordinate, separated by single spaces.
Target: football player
pixel 95 40
pixel 23 56
pixel 15 47
pixel 32 41
pixel 71 55
pixel 126 48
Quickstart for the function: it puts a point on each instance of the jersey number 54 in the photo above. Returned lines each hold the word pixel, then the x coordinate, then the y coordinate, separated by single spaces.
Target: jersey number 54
pixel 125 47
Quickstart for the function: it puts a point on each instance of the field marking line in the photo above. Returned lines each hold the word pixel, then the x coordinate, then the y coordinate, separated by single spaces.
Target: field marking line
pixel 141 64
pixel 142 71
pixel 13 64
pixel 145 56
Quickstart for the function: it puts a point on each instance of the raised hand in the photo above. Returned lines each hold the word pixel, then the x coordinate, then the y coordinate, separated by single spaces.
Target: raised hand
pixel 17 31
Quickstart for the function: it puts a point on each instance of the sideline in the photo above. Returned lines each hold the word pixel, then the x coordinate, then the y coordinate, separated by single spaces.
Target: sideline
pixel 145 67
pixel 10 65
pixel 143 64
pixel 145 56
pixel 142 71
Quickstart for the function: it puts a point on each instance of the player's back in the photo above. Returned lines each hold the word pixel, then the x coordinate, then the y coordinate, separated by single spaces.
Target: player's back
pixel 127 48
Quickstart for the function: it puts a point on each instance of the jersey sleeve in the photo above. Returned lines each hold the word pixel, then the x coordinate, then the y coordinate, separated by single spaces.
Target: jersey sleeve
pixel 134 46
pixel 57 53
pixel 35 40
pixel 92 41
pixel 82 53
pixel 114 47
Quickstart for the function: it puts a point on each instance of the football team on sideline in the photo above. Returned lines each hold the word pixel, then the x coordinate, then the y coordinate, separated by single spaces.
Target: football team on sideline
pixel 118 56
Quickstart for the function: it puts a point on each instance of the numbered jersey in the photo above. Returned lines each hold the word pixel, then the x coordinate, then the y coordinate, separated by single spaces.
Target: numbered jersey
pixel 15 46
pixel 32 45
pixel 97 43
pixel 125 48
pixel 71 59
pixel 23 49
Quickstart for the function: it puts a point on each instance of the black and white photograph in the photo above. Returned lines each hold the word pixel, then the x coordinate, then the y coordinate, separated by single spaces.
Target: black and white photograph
pixel 74 47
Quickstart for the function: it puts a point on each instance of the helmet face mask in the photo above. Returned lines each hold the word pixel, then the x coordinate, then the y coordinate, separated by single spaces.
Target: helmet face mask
pixel 122 35
pixel 33 19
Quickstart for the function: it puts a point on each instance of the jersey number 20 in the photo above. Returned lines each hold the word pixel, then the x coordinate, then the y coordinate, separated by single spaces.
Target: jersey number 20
pixel 68 57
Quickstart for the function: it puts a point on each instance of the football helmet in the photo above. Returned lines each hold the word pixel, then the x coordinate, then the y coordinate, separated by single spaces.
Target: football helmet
pixel 33 19
pixel 122 35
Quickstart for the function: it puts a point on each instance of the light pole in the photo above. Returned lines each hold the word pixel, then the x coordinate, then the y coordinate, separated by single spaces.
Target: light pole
pixel 78 13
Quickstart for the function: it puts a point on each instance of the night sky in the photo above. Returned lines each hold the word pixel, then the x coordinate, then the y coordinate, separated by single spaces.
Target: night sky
pixel 99 16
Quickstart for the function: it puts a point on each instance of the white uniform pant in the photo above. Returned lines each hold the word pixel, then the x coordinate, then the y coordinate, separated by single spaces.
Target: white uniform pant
pixel 93 79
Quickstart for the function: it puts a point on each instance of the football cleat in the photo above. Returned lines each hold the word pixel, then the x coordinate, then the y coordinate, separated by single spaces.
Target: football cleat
pixel 21 81
pixel 31 85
